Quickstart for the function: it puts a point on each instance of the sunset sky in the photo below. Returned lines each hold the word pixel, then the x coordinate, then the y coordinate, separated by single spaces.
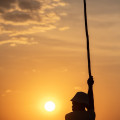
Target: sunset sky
pixel 43 57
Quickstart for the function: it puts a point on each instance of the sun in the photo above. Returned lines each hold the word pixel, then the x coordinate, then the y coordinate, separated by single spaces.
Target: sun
pixel 49 106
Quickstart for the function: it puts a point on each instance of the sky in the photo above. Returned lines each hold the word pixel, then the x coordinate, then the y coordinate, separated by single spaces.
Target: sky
pixel 43 57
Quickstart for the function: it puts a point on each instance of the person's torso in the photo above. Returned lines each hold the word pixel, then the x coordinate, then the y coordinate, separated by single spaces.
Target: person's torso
pixel 80 115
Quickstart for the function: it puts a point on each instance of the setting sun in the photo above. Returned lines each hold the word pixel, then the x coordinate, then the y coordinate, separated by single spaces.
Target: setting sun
pixel 49 106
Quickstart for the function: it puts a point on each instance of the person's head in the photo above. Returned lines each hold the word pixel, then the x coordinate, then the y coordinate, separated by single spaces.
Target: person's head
pixel 80 101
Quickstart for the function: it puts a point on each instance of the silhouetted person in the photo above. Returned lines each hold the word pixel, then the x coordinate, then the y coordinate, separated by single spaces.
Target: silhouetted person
pixel 83 105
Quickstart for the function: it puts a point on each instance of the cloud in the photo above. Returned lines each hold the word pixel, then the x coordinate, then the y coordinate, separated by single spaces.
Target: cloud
pixel 65 70
pixel 25 10
pixel 63 14
pixel 31 10
pixel 30 26
pixel 29 5
pixel 7 4
pixel 18 41
pixel 34 70
pixel 8 91
pixel 1 11
pixel 23 4
pixel 77 88
pixel 21 17
pixel 17 16
pixel 64 28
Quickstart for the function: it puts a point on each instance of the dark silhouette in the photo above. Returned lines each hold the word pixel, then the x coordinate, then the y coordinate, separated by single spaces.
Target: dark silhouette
pixel 83 104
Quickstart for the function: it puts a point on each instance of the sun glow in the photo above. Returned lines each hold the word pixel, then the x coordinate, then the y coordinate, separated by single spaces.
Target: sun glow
pixel 49 106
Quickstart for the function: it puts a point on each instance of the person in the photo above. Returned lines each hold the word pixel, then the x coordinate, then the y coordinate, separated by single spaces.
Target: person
pixel 83 104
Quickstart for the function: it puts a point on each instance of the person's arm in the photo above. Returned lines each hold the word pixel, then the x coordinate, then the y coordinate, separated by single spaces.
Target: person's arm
pixel 90 93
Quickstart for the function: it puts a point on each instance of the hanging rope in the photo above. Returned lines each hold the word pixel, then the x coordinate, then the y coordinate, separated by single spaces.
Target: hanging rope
pixel 87 37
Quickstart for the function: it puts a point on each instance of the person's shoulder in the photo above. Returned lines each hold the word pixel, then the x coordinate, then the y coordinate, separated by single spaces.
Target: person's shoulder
pixel 68 114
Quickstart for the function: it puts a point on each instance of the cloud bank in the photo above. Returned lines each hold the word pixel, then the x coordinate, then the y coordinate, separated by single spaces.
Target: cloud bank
pixel 21 17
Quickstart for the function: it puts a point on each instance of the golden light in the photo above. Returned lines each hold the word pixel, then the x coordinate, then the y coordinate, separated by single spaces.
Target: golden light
pixel 49 106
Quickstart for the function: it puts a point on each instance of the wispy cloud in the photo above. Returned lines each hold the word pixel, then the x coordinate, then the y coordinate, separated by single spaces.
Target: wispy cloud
pixel 77 88
pixel 15 41
pixel 6 92
pixel 21 17
pixel 7 4
pixel 64 28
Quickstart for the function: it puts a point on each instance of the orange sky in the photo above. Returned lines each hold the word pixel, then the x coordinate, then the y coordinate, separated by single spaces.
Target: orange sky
pixel 43 57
